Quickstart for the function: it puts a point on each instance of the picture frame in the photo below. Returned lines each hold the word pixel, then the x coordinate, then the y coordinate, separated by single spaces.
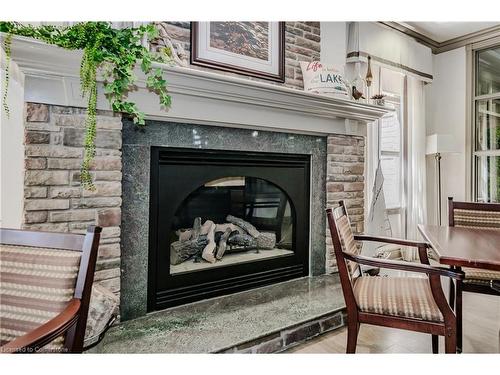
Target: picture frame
pixel 255 49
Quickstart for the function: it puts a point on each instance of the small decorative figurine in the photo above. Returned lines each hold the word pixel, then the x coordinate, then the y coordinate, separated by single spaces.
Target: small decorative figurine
pixel 357 94
pixel 358 85
pixel 369 75
pixel 378 99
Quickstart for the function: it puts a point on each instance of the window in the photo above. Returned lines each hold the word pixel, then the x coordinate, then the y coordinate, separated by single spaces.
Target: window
pixel 388 147
pixel 392 168
pixel 486 134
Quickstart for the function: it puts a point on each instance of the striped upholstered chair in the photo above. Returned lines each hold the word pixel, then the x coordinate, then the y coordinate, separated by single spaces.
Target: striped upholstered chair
pixel 410 303
pixel 45 286
pixel 475 215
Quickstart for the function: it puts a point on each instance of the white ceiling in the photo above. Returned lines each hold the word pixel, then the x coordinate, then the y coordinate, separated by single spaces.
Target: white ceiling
pixel 444 31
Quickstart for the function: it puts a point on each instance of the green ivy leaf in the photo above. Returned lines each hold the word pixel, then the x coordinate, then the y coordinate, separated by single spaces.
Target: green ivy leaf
pixel 116 51
pixel 146 64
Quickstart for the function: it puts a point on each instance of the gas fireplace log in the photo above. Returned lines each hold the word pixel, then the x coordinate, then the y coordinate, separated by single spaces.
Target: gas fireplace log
pixel 218 236
pixel 190 233
pixel 182 251
pixel 221 248
pixel 243 240
pixel 208 253
pixel 266 240
pixel 233 227
pixel 207 227
pixel 210 241
pixel 249 228
pixel 196 228
pixel 184 234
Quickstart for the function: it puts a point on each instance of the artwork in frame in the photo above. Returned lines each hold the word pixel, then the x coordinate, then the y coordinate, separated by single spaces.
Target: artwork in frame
pixel 251 48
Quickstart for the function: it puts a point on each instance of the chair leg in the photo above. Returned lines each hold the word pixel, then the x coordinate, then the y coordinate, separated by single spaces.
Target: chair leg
pixel 450 341
pixel 452 294
pixel 458 312
pixel 352 337
pixel 435 344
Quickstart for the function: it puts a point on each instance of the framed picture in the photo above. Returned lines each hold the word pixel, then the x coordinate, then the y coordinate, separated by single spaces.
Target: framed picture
pixel 252 48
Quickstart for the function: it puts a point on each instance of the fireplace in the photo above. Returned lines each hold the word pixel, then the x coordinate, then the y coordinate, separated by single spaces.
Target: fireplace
pixel 210 111
pixel 225 221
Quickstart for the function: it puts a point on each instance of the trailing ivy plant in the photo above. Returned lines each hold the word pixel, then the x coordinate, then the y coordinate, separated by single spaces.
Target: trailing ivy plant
pixel 112 52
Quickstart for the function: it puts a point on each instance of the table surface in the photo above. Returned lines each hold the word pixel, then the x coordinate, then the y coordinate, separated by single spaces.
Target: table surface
pixel 464 247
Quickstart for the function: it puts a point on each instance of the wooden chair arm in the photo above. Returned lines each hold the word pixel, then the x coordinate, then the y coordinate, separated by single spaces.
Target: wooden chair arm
pixel 495 285
pixel 397 241
pixel 46 333
pixel 404 266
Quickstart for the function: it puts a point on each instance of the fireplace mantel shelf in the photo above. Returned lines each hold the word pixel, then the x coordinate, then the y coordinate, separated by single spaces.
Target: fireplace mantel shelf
pixel 197 96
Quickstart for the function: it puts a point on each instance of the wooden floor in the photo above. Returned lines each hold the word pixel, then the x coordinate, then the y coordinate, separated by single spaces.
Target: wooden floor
pixel 481 334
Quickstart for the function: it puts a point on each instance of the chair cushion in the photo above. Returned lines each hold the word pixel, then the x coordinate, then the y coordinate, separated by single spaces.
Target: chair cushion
pixel 36 285
pixel 408 297
pixel 349 244
pixel 480 276
pixel 476 218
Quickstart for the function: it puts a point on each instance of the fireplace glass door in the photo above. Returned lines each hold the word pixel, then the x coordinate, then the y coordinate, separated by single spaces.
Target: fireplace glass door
pixel 224 221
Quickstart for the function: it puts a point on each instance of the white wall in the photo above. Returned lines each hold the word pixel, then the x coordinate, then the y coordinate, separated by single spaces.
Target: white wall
pixel 446 114
pixel 12 150
pixel 334 47
pixel 333 42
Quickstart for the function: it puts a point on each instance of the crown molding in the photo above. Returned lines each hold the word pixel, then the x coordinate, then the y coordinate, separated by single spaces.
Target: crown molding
pixel 426 41
pixel 447 45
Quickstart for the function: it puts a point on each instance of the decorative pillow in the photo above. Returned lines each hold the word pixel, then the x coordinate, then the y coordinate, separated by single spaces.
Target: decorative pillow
pixel 324 79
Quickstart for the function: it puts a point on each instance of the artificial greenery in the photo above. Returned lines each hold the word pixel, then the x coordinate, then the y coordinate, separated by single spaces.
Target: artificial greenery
pixel 7 42
pixel 112 52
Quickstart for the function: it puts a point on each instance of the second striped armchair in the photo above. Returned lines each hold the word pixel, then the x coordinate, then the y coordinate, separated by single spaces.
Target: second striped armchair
pixel 475 215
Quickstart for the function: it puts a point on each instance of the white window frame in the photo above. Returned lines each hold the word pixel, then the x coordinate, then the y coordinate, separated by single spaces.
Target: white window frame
pixel 472 100
pixel 375 152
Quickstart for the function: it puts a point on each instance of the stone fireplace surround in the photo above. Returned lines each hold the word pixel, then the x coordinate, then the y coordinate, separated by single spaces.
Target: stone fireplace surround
pixel 136 190
pixel 330 130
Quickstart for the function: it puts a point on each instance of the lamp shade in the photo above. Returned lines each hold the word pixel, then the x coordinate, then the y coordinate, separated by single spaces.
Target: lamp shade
pixel 440 143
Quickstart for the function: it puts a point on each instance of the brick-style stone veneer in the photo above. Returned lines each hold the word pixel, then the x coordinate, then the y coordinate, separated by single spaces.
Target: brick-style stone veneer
pixel 345 181
pixel 53 197
pixel 302 43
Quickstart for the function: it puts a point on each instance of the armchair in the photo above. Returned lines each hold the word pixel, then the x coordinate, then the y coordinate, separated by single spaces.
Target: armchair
pixel 475 215
pixel 411 303
pixel 46 281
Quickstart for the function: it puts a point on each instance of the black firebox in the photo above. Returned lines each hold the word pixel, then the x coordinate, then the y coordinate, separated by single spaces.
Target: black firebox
pixel 225 221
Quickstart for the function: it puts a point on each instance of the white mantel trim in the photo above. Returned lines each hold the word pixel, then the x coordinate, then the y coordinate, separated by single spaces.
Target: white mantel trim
pixel 197 96
pixel 12 149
